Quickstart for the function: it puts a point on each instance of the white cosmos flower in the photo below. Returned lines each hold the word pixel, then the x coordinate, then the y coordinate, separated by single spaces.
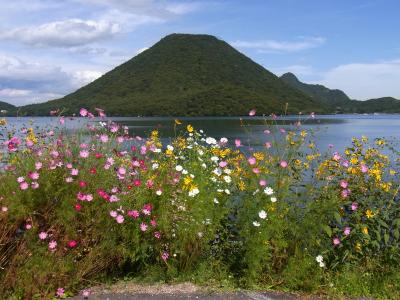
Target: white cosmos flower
pixel 200 152
pixel 228 192
pixel 322 264
pixel 194 192
pixel 171 148
pixel 211 141
pixel 204 166
pixel 179 168
pixel 155 166
pixel 213 179
pixel 319 258
pixel 214 158
pixel 227 171
pixel 223 140
pixel 273 199
pixel 158 192
pixel 191 175
pixel 216 201
pixel 217 171
pixel 227 179
pixel 184 172
pixel 256 224
pixel 269 191
pixel 262 214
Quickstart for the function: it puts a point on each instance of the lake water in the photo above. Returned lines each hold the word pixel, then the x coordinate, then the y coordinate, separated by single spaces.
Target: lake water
pixel 329 129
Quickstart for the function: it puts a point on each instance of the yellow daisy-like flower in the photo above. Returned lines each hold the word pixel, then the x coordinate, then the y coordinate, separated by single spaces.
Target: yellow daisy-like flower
pixel 369 213
pixel 242 186
pixel 358 247
pixel 189 128
pixel 177 122
pixel 365 230
pixel 259 155
pixel 392 172
pixel 187 180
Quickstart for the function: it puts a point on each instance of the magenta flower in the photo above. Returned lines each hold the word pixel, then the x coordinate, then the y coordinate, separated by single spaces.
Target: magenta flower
pixel 252 112
pixel 38 165
pixel 345 193
pixel 34 175
pixel 153 223
pixel 83 112
pixel 354 206
pixel 133 213
pixel 72 244
pixel 84 154
pixel 165 256
pixel 157 235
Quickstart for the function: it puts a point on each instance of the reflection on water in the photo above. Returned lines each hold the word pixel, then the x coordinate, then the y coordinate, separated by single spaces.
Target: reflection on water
pixel 329 129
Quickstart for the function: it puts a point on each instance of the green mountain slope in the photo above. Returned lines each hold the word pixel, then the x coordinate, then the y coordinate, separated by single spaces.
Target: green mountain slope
pixel 332 98
pixel 338 101
pixel 185 74
pixel 6 108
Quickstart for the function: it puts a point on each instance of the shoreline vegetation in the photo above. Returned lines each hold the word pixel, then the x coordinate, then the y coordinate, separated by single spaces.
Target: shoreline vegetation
pixel 98 205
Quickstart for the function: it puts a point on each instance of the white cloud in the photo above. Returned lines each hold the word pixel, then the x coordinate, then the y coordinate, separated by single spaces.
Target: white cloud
pixel 271 46
pixel 363 81
pixel 23 82
pixel 67 33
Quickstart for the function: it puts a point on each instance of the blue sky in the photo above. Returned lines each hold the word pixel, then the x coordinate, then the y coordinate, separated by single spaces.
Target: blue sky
pixel 49 48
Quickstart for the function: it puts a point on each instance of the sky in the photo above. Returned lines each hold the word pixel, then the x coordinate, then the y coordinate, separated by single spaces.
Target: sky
pixel 49 48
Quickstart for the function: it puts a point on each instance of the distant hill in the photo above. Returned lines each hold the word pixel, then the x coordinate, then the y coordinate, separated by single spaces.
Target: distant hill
pixel 4 106
pixel 186 75
pixel 332 98
pixel 338 101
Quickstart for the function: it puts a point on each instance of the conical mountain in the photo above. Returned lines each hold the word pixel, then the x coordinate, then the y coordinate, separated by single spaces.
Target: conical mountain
pixel 185 74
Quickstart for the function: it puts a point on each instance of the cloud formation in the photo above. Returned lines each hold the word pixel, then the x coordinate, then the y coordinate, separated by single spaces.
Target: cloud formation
pixel 271 46
pixel 67 33
pixel 363 81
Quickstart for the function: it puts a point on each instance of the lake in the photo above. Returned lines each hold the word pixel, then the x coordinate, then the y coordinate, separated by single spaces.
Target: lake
pixel 329 129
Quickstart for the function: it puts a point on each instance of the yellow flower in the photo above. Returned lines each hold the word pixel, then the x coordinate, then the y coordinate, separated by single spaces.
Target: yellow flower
pixel 392 172
pixel 303 133
pixel 177 122
pixel 354 160
pixel 358 247
pixel 365 230
pixel 258 155
pixel 242 186
pixel 189 128
pixel 380 142
pixel 187 180
pixel 3 122
pixel 168 152
pixel 369 213
pixel 311 145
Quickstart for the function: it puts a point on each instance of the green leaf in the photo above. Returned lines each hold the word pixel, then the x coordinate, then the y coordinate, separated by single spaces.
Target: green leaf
pixel 327 229
pixel 337 216
pixel 396 233
pixel 386 238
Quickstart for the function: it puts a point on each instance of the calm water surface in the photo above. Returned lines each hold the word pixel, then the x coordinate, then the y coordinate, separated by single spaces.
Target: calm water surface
pixel 329 129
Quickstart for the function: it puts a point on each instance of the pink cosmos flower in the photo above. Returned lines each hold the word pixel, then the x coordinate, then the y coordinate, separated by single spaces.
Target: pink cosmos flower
pixel 4 208
pixel 223 164
pixel 29 143
pixel 263 182
pixel 52 245
pixel 354 206
pixel 23 185
pixel 153 223
pixel 74 172
pixel 34 185
pixel 69 179
pixel 38 165
pixel 60 292
pixel 238 143
pixel 143 227
pixel 28 226
pixel 268 145
pixel 120 139
pixel 266 131
pixel 104 138
pixel 62 120
pixel 157 235
pixel 336 241
pixel 121 171
pixel 20 179
pixel 83 112
pixel 113 214
pixel 84 154
pixel 34 175
pixel 252 160
pixel 165 256
pixel 256 170
pixel 133 213
pixel 78 207
pixel 89 197
pixel 346 231
pixel 344 184
pixel 120 219
pixel 43 235
pixel 283 164
pixel 345 193
pixel 364 168
pixel 336 156
pixel 252 112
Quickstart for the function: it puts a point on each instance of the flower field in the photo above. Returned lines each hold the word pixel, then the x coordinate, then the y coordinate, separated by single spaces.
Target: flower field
pixel 98 204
